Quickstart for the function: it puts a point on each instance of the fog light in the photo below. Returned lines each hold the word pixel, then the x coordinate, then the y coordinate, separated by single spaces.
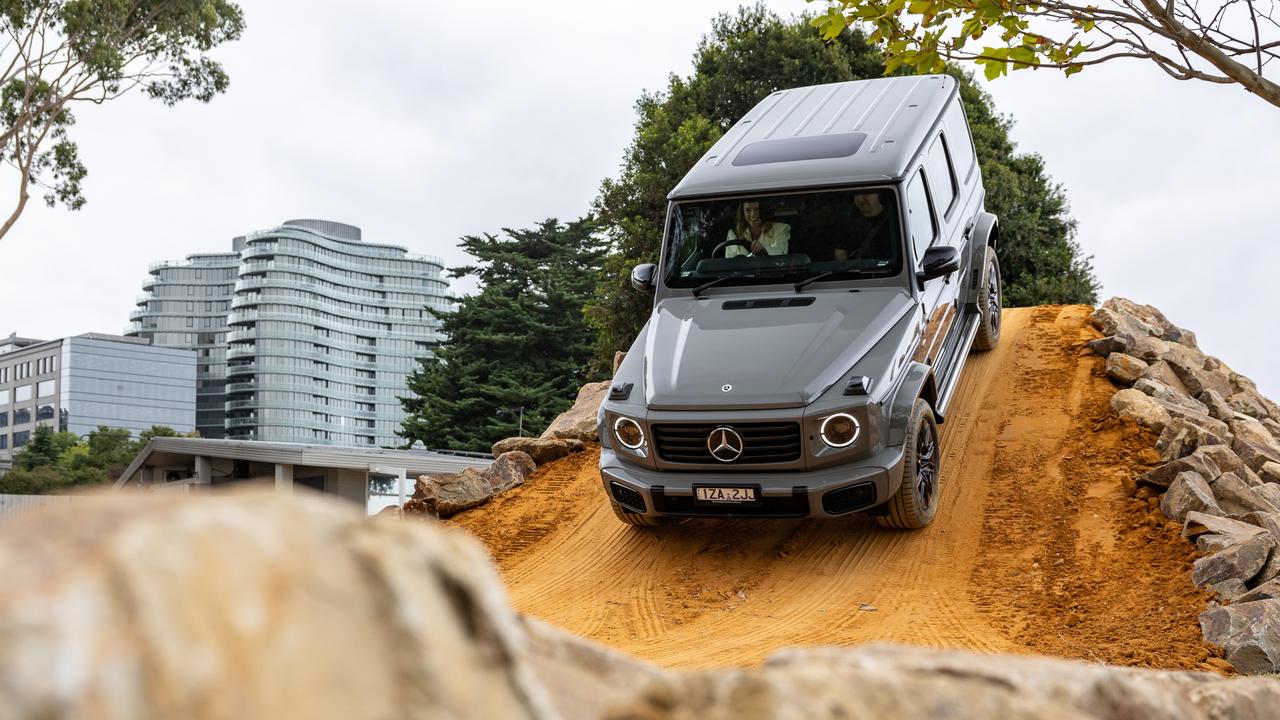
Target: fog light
pixel 628 433
pixel 840 430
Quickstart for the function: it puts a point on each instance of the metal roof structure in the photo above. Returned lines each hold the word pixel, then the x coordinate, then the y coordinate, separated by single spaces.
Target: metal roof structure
pixel 864 131
pixel 162 450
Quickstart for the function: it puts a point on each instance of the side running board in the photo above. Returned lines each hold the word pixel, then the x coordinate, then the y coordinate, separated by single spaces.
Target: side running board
pixel 951 361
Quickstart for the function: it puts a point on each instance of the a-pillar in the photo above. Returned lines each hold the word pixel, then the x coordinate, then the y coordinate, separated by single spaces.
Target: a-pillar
pixel 284 478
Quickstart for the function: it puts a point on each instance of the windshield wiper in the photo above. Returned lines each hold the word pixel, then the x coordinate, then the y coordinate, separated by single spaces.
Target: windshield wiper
pixel 697 292
pixel 828 273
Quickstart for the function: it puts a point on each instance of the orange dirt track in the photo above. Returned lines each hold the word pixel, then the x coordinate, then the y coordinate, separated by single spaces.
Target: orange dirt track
pixel 1036 546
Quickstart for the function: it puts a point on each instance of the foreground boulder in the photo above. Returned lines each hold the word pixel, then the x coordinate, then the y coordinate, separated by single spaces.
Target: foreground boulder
pixel 1249 632
pixel 248 607
pixel 450 494
pixel 881 681
pixel 579 421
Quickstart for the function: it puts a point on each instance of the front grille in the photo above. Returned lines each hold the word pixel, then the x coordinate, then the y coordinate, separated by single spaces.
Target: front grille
pixel 795 505
pixel 761 443
pixel 849 499
pixel 628 498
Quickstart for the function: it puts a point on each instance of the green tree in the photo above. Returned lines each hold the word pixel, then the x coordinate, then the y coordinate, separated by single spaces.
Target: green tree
pixel 59 53
pixel 746 56
pixel 44 448
pixel 1226 42
pixel 520 342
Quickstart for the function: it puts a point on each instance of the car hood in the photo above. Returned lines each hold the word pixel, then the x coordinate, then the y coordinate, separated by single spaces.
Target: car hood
pixel 700 354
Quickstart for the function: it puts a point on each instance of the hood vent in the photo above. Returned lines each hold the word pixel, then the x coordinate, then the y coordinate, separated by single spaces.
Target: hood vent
pixel 767 303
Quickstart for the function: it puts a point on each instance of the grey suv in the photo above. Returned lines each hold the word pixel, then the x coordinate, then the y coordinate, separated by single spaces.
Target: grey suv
pixel 825 270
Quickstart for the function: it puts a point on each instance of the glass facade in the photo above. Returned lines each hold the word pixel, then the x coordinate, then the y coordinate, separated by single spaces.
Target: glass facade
pixel 185 305
pixel 320 334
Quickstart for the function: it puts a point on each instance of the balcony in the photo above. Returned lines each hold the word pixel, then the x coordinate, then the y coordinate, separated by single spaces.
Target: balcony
pixel 246 300
pixel 238 351
pixel 241 317
pixel 249 369
pixel 242 422
pixel 240 387
pixel 240 404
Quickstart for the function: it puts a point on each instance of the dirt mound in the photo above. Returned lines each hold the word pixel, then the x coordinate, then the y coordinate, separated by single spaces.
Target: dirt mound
pixel 1036 547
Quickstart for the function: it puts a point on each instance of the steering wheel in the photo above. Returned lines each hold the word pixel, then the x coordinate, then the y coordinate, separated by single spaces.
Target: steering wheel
pixel 724 246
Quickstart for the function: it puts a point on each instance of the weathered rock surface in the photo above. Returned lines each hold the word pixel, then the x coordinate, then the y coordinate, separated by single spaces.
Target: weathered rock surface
pixel 1269 590
pixel 1218 407
pixel 1141 408
pixel 1249 632
pixel 1162 477
pixel 450 494
pixel 1188 493
pixel 1250 403
pixel 252 607
pixel 897 683
pixel 1181 438
pixel 1269 472
pixel 1255 455
pixel 579 421
pixel 1124 369
pixel 1161 372
pixel 541 450
pixel 1237 562
pixel 1197 524
pixel 1237 498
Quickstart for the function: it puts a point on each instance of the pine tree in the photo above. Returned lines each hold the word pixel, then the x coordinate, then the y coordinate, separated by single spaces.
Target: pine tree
pixel 748 55
pixel 520 342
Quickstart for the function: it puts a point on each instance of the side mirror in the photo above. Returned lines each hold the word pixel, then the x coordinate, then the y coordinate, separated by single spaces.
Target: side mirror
pixel 642 277
pixel 937 262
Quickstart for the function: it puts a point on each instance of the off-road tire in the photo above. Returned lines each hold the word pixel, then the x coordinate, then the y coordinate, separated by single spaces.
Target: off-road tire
pixel 989 299
pixel 914 505
pixel 630 518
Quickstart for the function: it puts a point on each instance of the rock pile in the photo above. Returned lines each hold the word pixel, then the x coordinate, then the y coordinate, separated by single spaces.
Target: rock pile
pixel 270 606
pixel 1219 440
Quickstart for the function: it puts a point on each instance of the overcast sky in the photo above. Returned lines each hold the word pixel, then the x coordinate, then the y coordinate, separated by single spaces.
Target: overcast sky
pixel 422 122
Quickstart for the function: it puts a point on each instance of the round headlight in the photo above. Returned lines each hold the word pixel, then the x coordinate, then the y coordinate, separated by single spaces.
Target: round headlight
pixel 839 430
pixel 628 433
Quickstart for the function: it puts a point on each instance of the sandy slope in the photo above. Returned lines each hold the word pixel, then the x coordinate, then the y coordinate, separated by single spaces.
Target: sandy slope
pixel 1036 547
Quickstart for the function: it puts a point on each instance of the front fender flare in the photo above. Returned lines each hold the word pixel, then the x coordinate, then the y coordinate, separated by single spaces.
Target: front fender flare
pixel 916 382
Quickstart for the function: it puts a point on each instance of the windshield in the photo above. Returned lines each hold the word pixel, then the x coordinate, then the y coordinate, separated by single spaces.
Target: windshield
pixel 784 238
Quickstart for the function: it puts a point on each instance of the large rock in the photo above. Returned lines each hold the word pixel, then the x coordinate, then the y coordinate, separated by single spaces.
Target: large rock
pixel 1269 590
pixel 1162 477
pixel 1163 374
pixel 1197 380
pixel 1170 397
pixel 898 683
pixel 1123 315
pixel 254 607
pixel 541 450
pixel 1188 493
pixel 1255 455
pixel 1250 429
pixel 1270 472
pixel 1196 524
pixel 1218 407
pixel 1249 402
pixel 1237 562
pixel 1237 498
pixel 1249 632
pixel 1124 369
pixel 1181 437
pixel 579 421
pixel 449 494
pixel 1141 408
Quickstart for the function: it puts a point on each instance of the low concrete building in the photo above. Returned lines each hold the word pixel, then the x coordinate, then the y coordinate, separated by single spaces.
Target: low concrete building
pixel 195 464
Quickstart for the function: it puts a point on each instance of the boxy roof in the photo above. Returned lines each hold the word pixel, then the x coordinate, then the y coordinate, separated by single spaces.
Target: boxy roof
pixel 863 131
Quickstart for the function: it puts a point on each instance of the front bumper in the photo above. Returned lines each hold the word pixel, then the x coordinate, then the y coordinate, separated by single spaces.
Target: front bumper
pixel 830 492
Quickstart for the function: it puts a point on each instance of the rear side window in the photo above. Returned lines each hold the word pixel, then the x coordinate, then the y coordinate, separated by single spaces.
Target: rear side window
pixel 961 143
pixel 941 179
pixel 919 218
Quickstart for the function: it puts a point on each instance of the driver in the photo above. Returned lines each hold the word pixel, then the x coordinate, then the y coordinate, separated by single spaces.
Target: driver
pixel 755 235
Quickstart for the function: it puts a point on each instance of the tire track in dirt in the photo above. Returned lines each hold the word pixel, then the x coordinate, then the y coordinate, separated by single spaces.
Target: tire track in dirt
pixel 730 592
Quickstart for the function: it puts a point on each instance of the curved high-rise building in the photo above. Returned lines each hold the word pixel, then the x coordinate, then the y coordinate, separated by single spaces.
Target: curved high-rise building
pixel 185 305
pixel 324 330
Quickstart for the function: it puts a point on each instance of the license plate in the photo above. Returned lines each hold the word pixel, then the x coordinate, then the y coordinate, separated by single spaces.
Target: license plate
pixel 726 495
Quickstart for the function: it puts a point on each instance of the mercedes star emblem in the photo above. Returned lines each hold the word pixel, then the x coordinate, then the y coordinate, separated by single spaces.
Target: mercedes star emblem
pixel 726 388
pixel 725 444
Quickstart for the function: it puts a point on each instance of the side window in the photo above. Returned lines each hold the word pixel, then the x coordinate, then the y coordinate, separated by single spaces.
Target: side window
pixel 919 219
pixel 961 143
pixel 941 179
